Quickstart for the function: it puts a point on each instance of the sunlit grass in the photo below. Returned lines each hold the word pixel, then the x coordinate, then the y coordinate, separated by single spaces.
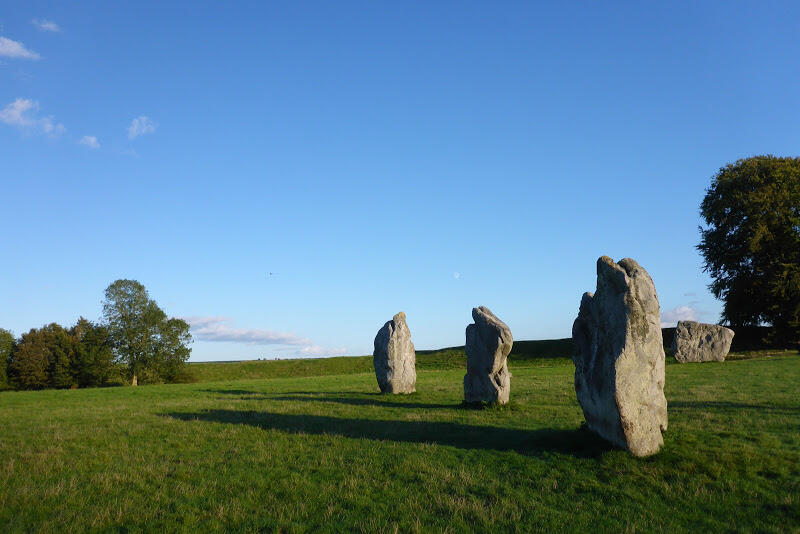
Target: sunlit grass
pixel 329 453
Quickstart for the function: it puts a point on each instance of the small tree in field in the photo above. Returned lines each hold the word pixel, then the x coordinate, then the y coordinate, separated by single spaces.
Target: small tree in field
pixel 751 245
pixel 142 336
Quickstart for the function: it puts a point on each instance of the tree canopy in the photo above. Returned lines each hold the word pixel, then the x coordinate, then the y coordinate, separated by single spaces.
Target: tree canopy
pixel 751 245
pixel 55 357
pixel 93 360
pixel 142 336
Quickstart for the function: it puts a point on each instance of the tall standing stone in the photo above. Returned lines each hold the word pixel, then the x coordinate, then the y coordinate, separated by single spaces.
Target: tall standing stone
pixel 700 342
pixel 394 357
pixel 488 344
pixel 619 358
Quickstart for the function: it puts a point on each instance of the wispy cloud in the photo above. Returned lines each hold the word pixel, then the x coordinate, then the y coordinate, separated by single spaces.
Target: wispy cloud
pixel 218 329
pixel 90 141
pixel 316 350
pixel 46 25
pixel 141 126
pixel 16 50
pixel 456 275
pixel 681 313
pixel 22 113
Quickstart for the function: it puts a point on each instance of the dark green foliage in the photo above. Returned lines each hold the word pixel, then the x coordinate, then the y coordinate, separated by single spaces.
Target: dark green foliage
pixel 150 344
pixel 53 357
pixel 751 246
pixel 171 350
pixel 6 346
pixel 61 349
pixel 138 335
pixel 93 363
pixel 42 358
pixel 27 368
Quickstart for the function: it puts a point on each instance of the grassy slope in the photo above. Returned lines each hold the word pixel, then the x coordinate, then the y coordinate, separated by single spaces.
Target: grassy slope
pixel 523 353
pixel 328 453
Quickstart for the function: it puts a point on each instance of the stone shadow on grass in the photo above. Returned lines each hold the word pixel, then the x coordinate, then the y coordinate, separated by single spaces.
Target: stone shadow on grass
pixel 579 442
pixel 234 391
pixel 373 398
pixel 356 401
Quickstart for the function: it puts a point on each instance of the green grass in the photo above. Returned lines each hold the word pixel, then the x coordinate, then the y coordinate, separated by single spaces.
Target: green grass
pixel 328 453
pixel 523 353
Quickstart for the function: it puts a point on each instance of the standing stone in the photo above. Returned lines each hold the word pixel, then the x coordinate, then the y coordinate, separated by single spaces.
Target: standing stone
pixel 488 343
pixel 700 342
pixel 619 358
pixel 394 357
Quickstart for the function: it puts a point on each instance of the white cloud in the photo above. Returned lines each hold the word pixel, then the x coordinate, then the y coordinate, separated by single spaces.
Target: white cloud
pixel 22 114
pixel 681 313
pixel 90 141
pixel 456 275
pixel 316 350
pixel 141 126
pixel 15 49
pixel 46 25
pixel 217 329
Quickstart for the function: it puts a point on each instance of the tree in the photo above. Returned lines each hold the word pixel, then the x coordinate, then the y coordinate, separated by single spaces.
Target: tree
pixel 60 347
pixel 93 364
pixel 141 334
pixel 43 359
pixel 171 348
pixel 28 366
pixel 751 245
pixel 6 346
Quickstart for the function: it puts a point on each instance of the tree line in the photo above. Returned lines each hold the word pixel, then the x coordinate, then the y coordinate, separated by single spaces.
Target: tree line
pixel 135 342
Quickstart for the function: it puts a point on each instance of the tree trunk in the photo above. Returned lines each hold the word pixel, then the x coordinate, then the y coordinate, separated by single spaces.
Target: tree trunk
pixel 134 382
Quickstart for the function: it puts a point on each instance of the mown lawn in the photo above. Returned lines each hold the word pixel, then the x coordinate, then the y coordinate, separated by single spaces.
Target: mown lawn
pixel 328 453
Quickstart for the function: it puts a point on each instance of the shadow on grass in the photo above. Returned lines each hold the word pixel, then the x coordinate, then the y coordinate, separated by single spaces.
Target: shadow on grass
pixel 579 442
pixel 724 406
pixel 234 392
pixel 358 399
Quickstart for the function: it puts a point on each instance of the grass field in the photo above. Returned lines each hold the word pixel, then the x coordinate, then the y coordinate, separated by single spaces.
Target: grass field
pixel 522 353
pixel 328 453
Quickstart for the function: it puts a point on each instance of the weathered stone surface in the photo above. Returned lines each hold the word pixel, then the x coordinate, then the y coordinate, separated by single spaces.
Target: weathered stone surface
pixel 701 342
pixel 619 358
pixel 394 357
pixel 489 341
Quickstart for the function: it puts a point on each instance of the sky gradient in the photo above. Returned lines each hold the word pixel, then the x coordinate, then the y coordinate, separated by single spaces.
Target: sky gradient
pixel 374 157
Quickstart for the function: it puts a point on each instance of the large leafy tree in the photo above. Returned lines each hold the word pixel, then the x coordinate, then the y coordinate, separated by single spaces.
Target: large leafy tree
pixel 751 244
pixel 142 336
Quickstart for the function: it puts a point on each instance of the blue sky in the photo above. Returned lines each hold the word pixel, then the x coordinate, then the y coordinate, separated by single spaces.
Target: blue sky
pixel 376 157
